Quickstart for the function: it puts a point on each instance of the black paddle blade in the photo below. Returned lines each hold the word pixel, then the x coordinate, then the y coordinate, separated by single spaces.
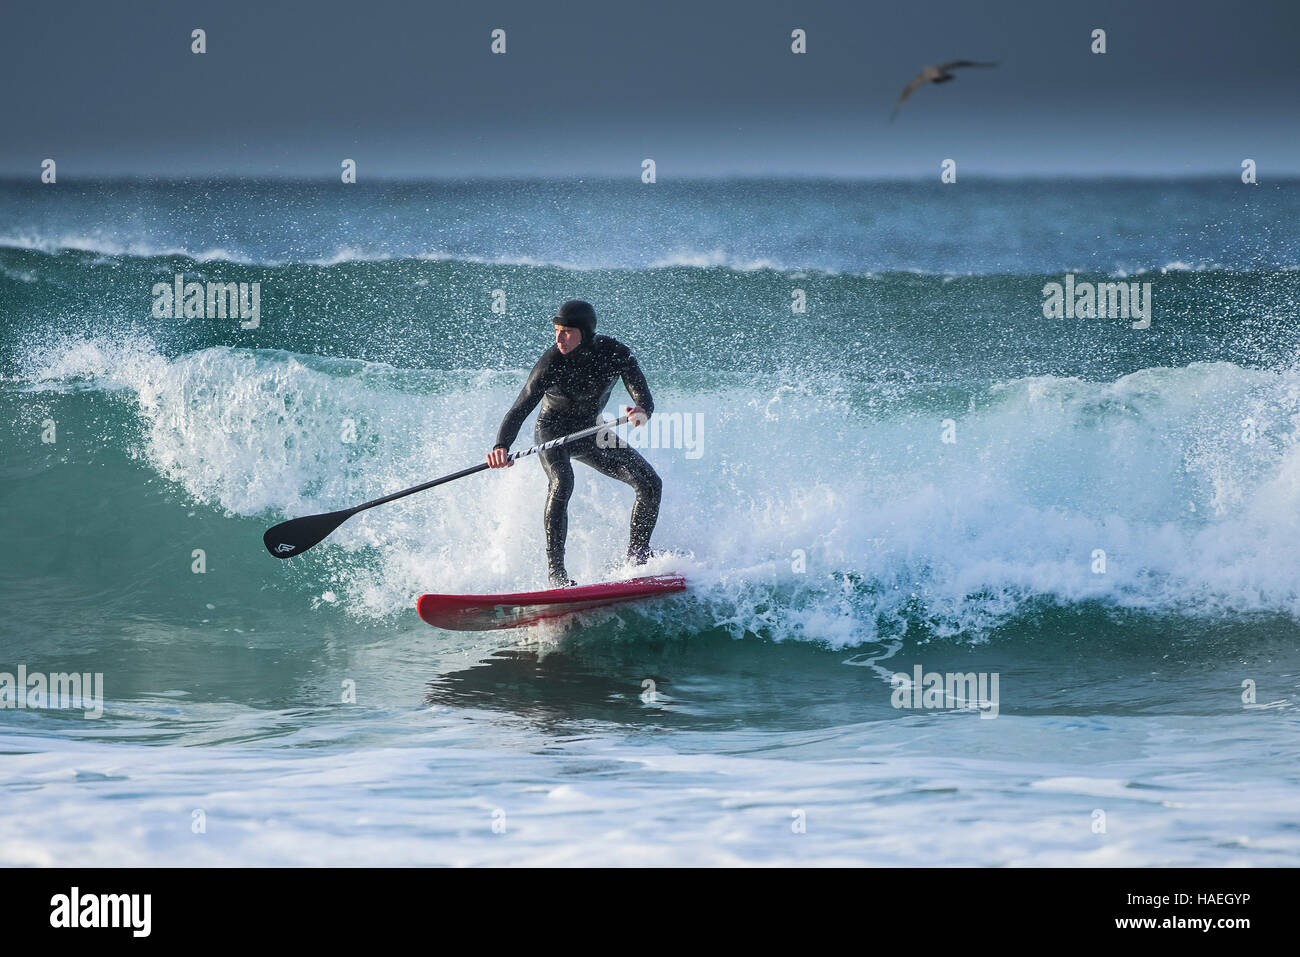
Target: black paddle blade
pixel 299 534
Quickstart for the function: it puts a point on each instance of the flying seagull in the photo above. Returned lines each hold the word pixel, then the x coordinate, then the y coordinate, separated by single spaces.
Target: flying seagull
pixel 932 74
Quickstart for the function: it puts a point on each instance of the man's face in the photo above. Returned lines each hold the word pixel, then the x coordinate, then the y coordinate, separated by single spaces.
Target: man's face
pixel 567 338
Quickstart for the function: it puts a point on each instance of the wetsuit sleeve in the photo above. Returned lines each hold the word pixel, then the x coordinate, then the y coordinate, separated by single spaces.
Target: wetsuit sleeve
pixel 634 381
pixel 527 400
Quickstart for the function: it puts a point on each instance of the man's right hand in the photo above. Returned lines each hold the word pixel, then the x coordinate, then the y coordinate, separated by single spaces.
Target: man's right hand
pixel 499 458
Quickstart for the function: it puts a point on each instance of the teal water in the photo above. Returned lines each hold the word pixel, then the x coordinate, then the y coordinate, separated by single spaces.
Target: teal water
pixel 832 536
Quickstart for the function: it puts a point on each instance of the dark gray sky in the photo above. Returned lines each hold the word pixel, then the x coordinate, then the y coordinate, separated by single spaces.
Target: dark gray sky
pixel 707 87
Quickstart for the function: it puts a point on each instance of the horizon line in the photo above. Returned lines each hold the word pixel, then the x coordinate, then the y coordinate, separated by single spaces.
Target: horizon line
pixel 981 176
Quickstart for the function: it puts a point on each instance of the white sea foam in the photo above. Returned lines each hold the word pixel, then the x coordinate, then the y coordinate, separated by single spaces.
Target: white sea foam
pixel 113 245
pixel 713 258
pixel 710 258
pixel 429 792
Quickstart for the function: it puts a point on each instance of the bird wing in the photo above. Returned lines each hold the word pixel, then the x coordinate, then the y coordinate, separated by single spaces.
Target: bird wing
pixel 956 63
pixel 911 88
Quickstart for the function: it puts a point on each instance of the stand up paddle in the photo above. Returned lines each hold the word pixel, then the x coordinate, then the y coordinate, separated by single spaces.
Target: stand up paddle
pixel 299 534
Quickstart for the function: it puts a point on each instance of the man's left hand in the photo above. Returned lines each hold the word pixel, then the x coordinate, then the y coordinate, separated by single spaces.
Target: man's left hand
pixel 636 416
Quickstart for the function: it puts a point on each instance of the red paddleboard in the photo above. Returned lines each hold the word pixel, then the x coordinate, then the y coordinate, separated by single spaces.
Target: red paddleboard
pixel 484 612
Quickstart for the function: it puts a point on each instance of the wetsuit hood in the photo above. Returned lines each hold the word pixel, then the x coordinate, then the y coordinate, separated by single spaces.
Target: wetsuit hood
pixel 578 314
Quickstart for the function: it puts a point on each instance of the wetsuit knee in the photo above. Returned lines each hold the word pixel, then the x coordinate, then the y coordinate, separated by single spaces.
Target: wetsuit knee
pixel 559 474
pixel 560 489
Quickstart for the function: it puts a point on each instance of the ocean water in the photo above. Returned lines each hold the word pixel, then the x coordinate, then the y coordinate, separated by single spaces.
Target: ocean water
pixel 918 470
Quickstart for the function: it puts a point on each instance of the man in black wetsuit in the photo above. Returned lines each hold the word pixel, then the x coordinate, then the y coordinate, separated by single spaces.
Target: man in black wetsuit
pixel 573 380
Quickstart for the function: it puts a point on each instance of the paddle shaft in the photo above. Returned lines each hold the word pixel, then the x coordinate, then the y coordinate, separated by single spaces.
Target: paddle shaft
pixel 513 456
pixel 299 534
